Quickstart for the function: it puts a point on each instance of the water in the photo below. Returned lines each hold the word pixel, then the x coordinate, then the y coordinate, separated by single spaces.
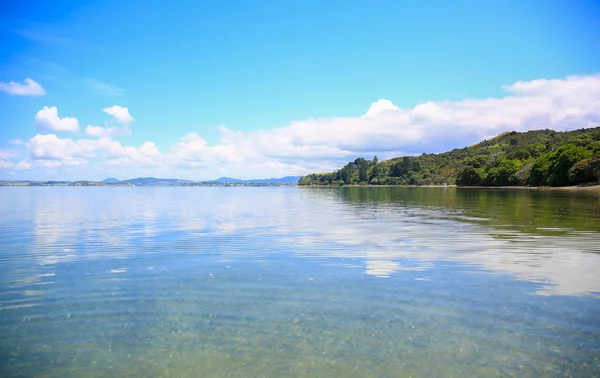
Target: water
pixel 249 282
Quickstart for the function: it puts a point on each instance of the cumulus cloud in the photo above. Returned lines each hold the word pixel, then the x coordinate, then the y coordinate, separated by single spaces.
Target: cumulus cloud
pixel 573 102
pixel 50 146
pixel 193 149
pixel 105 132
pixel 120 114
pixel 48 118
pixel 28 88
pixel 379 107
pixel 324 144
pixel 388 131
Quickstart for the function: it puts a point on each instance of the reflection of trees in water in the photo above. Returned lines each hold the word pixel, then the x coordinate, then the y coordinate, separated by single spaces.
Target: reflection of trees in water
pixel 532 211
pixel 536 236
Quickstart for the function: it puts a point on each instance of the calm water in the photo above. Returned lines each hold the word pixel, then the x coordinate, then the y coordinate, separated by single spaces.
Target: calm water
pixel 248 282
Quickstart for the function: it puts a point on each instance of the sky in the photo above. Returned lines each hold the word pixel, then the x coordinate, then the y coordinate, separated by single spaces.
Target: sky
pixel 259 89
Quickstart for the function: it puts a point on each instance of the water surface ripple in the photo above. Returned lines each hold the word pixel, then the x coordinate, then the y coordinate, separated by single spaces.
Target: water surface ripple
pixel 380 282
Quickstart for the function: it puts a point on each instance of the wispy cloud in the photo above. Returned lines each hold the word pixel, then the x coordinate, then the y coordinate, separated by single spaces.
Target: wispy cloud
pixel 51 36
pixel 28 88
pixel 104 89
pixel 46 37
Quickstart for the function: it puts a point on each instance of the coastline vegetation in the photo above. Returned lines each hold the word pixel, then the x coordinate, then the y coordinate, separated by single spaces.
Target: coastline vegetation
pixel 533 158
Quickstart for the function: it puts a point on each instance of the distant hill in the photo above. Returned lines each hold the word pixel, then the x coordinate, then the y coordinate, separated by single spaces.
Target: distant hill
pixel 535 158
pixel 283 180
pixel 227 179
pixel 110 180
pixel 154 181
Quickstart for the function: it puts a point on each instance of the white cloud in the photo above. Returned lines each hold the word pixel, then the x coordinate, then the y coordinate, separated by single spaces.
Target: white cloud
pixel 28 88
pixel 97 131
pixel 380 106
pixel 6 164
pixel 149 150
pixel 48 118
pixel 388 131
pixel 120 114
pixel 51 151
pixel 569 103
pixel 49 146
pixel 16 142
pixel 23 165
pixel 324 144
pixel 106 132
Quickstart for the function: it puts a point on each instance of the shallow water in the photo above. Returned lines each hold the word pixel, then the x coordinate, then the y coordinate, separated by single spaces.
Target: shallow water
pixel 382 282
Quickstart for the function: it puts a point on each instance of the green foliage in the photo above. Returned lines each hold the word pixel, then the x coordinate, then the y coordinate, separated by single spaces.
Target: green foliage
pixel 520 154
pixel 536 149
pixel 520 177
pixel 587 170
pixel 582 140
pixel 476 161
pixel 594 147
pixel 469 176
pixel 504 174
pixel 541 169
pixel 539 157
pixel 566 157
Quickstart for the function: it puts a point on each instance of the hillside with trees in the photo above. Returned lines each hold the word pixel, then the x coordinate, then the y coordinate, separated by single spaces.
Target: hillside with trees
pixel 535 158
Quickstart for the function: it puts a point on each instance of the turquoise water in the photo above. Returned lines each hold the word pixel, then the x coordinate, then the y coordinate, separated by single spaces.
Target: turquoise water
pixel 250 282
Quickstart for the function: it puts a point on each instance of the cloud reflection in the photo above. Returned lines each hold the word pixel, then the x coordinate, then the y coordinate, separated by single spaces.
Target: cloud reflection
pixel 382 237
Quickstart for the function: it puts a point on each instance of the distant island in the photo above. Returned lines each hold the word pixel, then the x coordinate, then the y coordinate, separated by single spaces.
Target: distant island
pixel 154 181
pixel 533 158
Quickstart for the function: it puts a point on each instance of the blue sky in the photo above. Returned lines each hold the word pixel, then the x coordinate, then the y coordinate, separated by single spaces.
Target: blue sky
pixel 271 88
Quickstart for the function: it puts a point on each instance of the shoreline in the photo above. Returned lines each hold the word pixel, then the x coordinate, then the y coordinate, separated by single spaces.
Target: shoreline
pixel 591 188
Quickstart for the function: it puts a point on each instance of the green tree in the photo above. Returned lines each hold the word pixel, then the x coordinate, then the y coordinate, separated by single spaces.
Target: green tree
pixel 587 170
pixel 401 168
pixel 566 157
pixel 594 147
pixel 469 176
pixel 541 169
pixel 506 172
pixel 495 160
pixel 476 161
pixel 582 140
pixel 536 150
pixel 522 175
pixel 521 154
